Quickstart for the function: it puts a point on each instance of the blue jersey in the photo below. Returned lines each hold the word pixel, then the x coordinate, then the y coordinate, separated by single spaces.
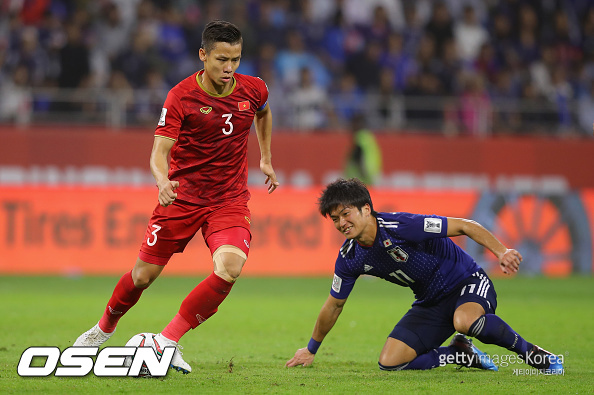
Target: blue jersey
pixel 410 250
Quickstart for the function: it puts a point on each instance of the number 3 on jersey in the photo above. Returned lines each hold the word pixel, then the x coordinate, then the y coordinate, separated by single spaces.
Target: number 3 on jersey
pixel 227 122
pixel 154 233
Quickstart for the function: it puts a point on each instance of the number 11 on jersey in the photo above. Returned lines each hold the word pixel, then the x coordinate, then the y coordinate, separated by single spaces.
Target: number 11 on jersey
pixel 402 277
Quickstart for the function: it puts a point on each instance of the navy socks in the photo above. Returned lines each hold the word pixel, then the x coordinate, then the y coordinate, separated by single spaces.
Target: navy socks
pixel 491 329
pixel 429 360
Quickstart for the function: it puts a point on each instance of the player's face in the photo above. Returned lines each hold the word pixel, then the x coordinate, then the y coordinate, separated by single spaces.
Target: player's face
pixel 354 223
pixel 220 63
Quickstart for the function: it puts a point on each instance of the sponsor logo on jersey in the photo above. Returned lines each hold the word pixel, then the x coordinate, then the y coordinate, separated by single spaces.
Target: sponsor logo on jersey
pixel 243 105
pixel 247 219
pixel 162 118
pixel 205 110
pixel 398 254
pixel 246 243
pixel 367 268
pixel 387 243
pixel 336 283
pixel 432 225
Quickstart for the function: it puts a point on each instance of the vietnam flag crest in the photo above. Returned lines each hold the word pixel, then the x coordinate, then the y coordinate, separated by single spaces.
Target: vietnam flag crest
pixel 243 105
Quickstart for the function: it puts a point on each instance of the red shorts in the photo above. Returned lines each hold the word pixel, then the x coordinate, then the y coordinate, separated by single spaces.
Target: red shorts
pixel 171 228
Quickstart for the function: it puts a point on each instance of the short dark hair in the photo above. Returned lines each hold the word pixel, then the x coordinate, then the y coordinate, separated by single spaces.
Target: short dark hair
pixel 220 31
pixel 351 192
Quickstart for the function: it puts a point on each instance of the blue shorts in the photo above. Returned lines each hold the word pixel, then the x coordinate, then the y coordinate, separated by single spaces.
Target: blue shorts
pixel 424 328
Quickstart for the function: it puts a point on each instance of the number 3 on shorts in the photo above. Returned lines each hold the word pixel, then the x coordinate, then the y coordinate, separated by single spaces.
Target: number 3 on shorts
pixel 154 233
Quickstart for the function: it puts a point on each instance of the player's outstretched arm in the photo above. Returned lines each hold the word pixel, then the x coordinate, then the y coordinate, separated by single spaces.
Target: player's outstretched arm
pixel 160 169
pixel 509 259
pixel 326 320
pixel 263 124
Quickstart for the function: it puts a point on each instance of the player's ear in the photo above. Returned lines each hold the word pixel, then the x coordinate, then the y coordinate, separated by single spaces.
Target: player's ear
pixel 366 210
pixel 202 54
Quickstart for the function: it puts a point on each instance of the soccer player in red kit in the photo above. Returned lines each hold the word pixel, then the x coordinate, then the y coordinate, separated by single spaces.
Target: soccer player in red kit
pixel 204 127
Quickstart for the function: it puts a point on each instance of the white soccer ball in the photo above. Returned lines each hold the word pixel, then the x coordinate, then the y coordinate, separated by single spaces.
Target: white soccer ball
pixel 145 339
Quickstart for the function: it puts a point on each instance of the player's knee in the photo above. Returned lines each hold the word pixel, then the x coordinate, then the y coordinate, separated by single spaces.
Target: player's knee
pixel 143 274
pixel 460 325
pixel 463 321
pixel 233 269
pixel 142 279
pixel 394 353
pixel 392 362
pixel 466 315
pixel 228 262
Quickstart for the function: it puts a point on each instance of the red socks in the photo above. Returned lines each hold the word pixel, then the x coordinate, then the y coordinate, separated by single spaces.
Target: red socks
pixel 125 295
pixel 176 328
pixel 198 306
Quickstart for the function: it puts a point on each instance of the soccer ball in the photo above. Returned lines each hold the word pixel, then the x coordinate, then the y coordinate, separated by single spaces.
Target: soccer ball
pixel 145 339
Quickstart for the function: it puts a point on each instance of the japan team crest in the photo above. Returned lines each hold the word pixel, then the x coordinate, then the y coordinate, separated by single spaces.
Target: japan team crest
pixel 398 254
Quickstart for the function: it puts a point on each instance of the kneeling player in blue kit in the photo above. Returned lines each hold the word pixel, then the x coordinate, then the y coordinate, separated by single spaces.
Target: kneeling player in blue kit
pixel 452 292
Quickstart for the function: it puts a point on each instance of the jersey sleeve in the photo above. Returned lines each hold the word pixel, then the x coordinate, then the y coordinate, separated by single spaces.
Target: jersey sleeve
pixel 171 117
pixel 263 89
pixel 418 227
pixel 343 281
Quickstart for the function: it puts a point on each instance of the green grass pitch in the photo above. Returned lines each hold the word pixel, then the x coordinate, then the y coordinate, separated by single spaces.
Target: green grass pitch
pixel 244 347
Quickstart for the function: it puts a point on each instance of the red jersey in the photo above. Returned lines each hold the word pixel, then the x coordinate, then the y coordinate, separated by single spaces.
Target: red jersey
pixel 209 157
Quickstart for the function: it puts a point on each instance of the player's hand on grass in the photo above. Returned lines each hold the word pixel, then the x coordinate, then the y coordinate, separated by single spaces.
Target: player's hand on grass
pixel 167 192
pixel 302 358
pixel 266 168
pixel 510 261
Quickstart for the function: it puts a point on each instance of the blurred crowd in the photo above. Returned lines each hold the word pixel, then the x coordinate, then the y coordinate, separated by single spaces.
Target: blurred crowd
pixel 469 66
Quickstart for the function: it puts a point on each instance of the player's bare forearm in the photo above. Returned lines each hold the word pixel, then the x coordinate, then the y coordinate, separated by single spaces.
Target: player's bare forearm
pixel 263 124
pixel 327 318
pixel 325 322
pixel 509 259
pixel 160 169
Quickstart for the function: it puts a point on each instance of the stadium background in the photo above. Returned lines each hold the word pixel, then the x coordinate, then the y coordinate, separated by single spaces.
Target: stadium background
pixel 490 120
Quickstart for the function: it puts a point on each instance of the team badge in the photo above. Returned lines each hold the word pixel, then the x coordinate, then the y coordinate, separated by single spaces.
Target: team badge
pixel 243 105
pixel 432 225
pixel 387 243
pixel 205 110
pixel 398 254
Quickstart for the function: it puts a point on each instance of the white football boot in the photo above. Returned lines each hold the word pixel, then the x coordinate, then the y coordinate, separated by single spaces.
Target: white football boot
pixel 94 337
pixel 177 362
